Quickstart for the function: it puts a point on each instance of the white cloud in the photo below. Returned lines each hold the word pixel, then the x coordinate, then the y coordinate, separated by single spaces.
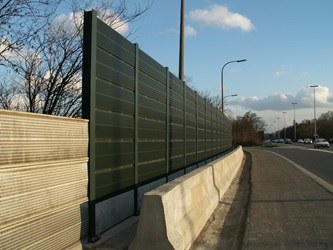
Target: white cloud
pixel 121 27
pixel 69 22
pixel 190 31
pixel 66 23
pixel 280 73
pixel 273 102
pixel 282 101
pixel 270 108
pixel 222 17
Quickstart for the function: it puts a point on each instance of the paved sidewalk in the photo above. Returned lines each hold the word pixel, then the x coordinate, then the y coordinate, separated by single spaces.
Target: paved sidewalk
pixel 288 210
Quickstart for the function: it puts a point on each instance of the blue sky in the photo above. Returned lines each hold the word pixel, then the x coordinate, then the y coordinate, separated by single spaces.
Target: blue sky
pixel 288 46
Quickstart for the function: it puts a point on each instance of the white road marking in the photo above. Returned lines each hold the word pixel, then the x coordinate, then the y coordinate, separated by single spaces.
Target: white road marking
pixel 317 179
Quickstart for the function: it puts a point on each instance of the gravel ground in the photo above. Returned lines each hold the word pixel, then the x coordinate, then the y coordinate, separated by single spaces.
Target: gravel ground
pixel 225 228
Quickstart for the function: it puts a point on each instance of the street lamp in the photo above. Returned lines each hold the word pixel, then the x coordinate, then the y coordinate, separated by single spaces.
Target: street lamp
pixel 181 40
pixel 236 61
pixel 314 109
pixel 278 118
pixel 226 98
pixel 294 103
pixel 284 124
pixel 230 96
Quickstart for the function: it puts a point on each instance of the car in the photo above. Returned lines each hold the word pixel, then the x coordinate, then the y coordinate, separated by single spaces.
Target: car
pixel 321 143
pixel 307 141
pixel 300 141
pixel 331 140
pixel 287 141
pixel 268 143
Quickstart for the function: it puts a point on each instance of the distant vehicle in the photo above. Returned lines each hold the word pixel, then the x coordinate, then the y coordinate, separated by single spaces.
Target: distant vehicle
pixel 288 141
pixel 321 143
pixel 331 140
pixel 300 141
pixel 281 141
pixel 268 142
pixel 307 141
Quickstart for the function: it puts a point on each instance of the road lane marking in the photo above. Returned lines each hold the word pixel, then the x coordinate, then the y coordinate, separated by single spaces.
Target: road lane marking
pixel 327 186
pixel 304 148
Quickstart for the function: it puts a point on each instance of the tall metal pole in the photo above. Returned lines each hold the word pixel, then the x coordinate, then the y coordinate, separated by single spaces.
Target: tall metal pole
pixel 278 118
pixel 284 124
pixel 181 41
pixel 314 109
pixel 294 103
pixel 222 99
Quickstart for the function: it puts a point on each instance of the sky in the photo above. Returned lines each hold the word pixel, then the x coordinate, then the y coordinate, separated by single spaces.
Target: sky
pixel 288 46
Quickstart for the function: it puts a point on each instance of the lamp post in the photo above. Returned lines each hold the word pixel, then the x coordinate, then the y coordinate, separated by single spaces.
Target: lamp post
pixel 294 103
pixel 278 118
pixel 235 61
pixel 181 41
pixel 284 124
pixel 224 98
pixel 230 96
pixel 314 109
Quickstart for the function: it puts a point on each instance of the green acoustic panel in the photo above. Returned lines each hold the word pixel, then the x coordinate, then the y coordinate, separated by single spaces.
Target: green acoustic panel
pixel 151 155
pixel 113 161
pixel 109 118
pixel 110 181
pixel 177 163
pixel 150 124
pixel 176 132
pixel 149 66
pixel 145 146
pixel 148 134
pixel 143 119
pixel 153 104
pixel 191 108
pixel 114 43
pixel 113 132
pixel 176 148
pixel 152 88
pixel 151 112
pixel 150 170
pixel 114 148
pixel 114 104
pixel 176 115
pixel 176 85
pixel 190 94
pixel 191 158
pixel 111 90
pixel 115 76
pixel 111 62
pixel 176 100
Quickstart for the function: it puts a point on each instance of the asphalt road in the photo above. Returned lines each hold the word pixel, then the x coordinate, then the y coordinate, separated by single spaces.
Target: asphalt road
pixel 287 209
pixel 317 161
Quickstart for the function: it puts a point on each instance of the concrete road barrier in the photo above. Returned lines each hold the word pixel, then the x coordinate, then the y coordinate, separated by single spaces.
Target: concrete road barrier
pixel 173 215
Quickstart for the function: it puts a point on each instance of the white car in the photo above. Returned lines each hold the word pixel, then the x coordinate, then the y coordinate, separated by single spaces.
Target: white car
pixel 321 143
pixel 307 141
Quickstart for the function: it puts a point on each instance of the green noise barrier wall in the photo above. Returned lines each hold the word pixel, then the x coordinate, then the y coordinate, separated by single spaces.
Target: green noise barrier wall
pixel 144 122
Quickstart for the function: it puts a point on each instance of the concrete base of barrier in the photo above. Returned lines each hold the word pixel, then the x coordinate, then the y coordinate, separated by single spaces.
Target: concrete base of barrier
pixel 173 215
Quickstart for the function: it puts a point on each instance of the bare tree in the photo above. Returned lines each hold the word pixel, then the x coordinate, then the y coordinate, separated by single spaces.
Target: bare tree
pixel 50 71
pixel 7 96
pixel 245 129
pixel 20 20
